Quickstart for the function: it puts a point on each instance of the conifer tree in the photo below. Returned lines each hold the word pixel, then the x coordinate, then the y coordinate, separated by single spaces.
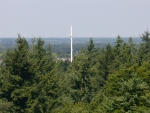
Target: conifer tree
pixel 106 59
pixel 84 74
pixel 41 58
pixel 16 61
pixel 16 74
pixel 125 91
pixel 144 49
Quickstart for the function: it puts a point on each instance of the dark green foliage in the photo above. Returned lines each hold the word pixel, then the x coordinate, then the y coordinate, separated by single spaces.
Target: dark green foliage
pixel 115 79
pixel 125 94
pixel 144 49
pixel 15 74
pixel 41 58
pixel 85 79
pixel 23 70
pixel 16 61
pixel 146 37
pixel 106 59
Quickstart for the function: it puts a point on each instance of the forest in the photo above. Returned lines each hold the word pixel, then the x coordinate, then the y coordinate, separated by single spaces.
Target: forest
pixel 113 79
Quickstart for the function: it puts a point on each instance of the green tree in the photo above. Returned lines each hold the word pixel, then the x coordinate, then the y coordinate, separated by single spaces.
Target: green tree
pixel 16 61
pixel 16 74
pixel 144 48
pixel 84 75
pixel 124 92
pixel 106 59
pixel 41 58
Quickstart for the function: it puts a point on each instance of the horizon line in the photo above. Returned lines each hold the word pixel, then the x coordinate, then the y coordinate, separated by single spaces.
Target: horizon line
pixel 74 37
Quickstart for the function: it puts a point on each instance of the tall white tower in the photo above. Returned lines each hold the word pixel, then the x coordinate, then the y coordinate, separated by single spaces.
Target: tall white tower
pixel 71 46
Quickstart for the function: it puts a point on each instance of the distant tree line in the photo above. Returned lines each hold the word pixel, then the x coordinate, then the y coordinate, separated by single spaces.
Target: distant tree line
pixel 115 79
pixel 61 50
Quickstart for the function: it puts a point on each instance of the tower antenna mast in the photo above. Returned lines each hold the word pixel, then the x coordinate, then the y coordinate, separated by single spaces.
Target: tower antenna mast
pixel 71 46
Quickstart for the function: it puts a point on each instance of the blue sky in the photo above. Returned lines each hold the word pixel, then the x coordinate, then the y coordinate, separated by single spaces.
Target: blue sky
pixel 89 18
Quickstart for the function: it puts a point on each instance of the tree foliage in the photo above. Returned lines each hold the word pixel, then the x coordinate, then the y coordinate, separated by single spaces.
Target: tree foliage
pixel 114 79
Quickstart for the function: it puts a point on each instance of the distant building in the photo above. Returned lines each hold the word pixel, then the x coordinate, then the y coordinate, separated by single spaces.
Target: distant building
pixel 63 59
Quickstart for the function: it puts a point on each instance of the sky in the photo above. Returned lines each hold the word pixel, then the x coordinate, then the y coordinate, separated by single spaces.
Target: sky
pixel 89 18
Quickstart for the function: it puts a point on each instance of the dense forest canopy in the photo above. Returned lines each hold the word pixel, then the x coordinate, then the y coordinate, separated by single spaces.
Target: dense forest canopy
pixel 114 79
